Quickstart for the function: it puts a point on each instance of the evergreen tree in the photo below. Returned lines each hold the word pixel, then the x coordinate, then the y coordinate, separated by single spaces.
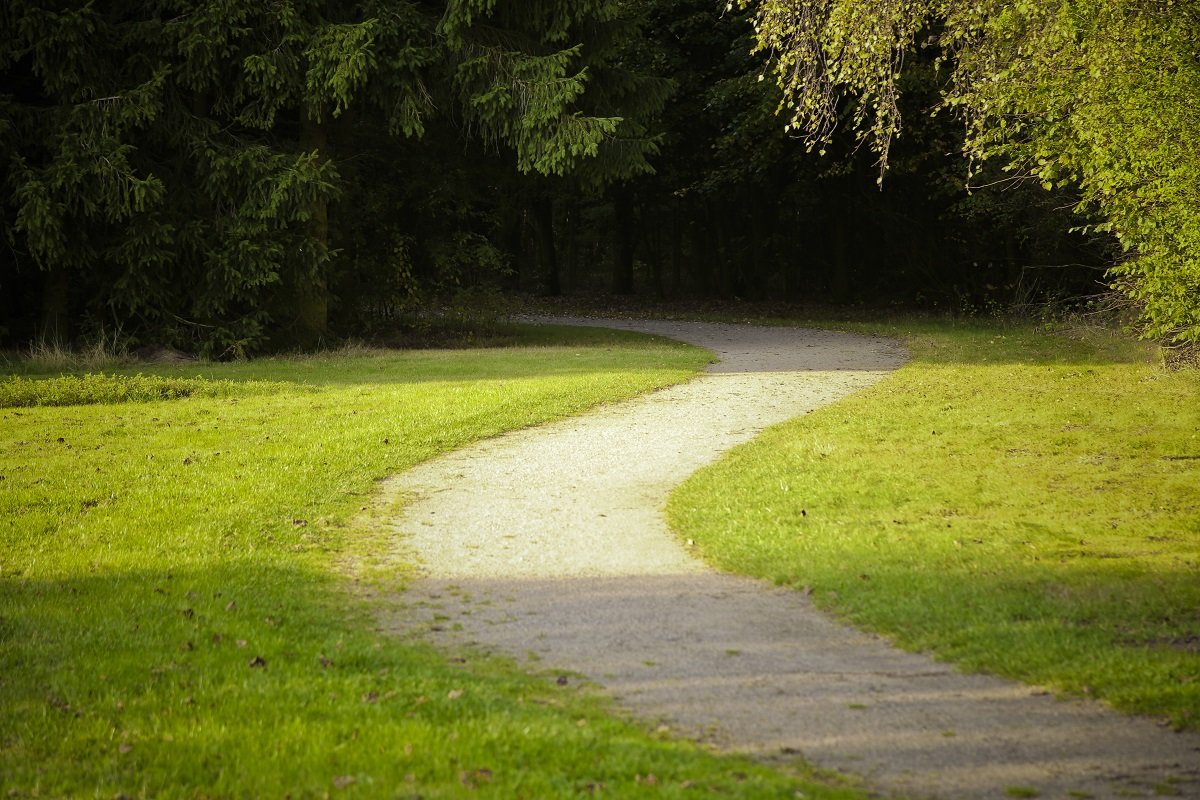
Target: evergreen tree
pixel 583 117
pixel 172 168
pixel 157 159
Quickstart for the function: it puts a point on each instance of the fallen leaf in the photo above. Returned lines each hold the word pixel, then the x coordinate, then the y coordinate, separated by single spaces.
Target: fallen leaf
pixel 472 779
pixel 342 781
pixel 124 747
pixel 454 694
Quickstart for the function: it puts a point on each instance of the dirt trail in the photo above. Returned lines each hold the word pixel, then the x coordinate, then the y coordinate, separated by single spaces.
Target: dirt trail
pixel 551 541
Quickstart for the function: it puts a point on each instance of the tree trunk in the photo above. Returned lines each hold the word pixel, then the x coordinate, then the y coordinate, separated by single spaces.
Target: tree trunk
pixel 839 280
pixel 513 236
pixel 570 266
pixel 623 242
pixel 791 262
pixel 657 256
pixel 703 255
pixel 547 252
pixel 54 326
pixel 726 258
pixel 676 252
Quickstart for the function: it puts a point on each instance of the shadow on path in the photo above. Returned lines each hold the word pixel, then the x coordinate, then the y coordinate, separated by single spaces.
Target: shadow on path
pixel 552 542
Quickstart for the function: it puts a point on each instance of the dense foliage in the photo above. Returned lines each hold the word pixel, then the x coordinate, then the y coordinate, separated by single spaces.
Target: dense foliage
pixel 224 177
pixel 171 166
pixel 1095 95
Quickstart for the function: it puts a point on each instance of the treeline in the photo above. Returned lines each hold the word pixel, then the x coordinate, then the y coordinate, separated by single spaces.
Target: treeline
pixel 225 177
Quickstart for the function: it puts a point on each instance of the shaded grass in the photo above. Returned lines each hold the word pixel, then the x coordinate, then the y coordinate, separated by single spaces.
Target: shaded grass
pixel 1021 502
pixel 171 623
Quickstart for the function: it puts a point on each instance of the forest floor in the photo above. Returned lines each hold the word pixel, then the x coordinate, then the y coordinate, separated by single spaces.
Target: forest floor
pixel 550 545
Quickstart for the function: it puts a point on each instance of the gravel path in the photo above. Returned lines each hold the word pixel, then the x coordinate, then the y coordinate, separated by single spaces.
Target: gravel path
pixel 551 541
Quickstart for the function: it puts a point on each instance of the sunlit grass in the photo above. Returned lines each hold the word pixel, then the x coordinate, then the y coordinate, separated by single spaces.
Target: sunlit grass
pixel 1018 501
pixel 171 622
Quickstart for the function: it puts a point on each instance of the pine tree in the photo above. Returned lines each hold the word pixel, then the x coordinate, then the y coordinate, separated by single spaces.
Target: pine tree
pixel 174 167
pixel 148 162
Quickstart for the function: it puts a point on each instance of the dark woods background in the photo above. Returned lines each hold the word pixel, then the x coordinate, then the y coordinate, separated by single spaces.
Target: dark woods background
pixel 226 177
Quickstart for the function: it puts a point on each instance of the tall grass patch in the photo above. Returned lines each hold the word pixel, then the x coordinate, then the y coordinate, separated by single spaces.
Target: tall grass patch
pixel 1017 501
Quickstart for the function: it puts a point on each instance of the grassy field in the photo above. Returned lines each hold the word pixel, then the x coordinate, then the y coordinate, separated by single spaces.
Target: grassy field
pixel 171 622
pixel 1015 500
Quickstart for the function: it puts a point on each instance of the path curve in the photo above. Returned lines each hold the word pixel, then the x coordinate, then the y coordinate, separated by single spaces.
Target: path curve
pixel 552 541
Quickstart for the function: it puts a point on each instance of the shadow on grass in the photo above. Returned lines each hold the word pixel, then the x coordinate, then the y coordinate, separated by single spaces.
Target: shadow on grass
pixel 1123 634
pixel 246 679
pixel 759 669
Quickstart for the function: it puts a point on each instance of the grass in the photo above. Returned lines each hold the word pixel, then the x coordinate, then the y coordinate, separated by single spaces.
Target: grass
pixel 1017 501
pixel 100 388
pixel 105 352
pixel 172 623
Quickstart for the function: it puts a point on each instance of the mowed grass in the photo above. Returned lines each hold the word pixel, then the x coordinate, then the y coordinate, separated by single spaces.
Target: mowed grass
pixel 172 620
pixel 1017 501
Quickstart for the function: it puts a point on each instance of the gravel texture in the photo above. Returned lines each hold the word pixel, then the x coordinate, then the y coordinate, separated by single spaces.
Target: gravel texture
pixel 551 542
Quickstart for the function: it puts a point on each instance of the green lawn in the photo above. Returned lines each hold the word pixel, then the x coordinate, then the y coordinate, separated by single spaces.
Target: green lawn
pixel 1014 500
pixel 171 622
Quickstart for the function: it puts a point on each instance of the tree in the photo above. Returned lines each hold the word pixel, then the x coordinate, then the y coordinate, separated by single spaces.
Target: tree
pixel 166 161
pixel 1094 94
pixel 586 109
pixel 174 168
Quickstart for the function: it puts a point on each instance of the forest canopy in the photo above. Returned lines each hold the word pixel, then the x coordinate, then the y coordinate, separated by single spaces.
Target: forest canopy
pixel 226 177
pixel 1096 95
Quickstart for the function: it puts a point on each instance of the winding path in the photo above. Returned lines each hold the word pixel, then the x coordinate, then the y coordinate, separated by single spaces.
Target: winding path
pixel 551 541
